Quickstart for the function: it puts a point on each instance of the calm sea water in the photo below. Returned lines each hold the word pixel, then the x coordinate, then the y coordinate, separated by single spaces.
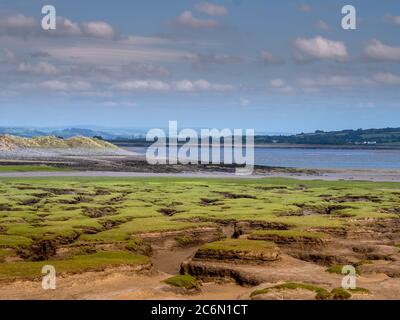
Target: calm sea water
pixel 321 158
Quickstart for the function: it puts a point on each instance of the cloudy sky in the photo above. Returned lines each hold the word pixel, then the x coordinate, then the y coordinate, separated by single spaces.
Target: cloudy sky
pixel 276 66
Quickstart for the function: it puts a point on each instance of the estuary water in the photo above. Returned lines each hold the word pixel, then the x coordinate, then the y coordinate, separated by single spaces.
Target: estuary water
pixel 321 158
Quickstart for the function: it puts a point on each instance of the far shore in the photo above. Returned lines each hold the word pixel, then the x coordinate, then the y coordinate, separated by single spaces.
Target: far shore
pixel 283 146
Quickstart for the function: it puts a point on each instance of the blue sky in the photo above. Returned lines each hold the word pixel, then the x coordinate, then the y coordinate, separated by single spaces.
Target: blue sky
pixel 275 66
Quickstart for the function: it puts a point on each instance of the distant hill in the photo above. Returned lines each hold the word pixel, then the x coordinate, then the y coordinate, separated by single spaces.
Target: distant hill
pixel 105 134
pixel 362 137
pixel 13 143
pixel 383 137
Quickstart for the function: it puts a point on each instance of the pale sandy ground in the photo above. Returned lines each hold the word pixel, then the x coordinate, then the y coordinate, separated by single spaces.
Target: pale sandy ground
pixel 124 283
pixel 328 175
pixel 114 284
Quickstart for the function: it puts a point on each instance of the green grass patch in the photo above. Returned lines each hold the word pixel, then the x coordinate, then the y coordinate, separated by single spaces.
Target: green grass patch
pixel 359 290
pixel 184 240
pixel 321 293
pixel 337 268
pixel 80 263
pixel 340 294
pixel 183 281
pixel 242 245
pixel 30 168
pixel 291 234
pixel 12 241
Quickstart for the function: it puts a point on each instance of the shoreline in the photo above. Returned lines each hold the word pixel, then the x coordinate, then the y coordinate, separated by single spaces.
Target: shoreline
pixel 331 175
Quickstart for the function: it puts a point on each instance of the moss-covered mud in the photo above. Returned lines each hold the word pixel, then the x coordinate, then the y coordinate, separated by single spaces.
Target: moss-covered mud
pixel 251 231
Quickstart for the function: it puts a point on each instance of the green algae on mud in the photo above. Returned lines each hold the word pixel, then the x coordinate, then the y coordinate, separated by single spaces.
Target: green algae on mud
pixel 79 263
pixel 118 211
pixel 321 293
pixel 183 281
pixel 30 168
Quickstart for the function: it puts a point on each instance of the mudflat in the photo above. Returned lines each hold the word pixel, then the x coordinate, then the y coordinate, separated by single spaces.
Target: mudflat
pixel 175 237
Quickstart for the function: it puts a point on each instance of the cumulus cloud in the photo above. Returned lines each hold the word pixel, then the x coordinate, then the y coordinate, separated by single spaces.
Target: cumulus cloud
pixel 321 48
pixel 98 29
pixel 387 78
pixel 212 9
pixel 142 85
pixel 280 85
pixel 18 21
pixel 23 26
pixel 42 68
pixel 200 85
pixel 95 29
pixel 177 86
pixel 67 27
pixel 377 50
pixel 269 58
pixel 186 19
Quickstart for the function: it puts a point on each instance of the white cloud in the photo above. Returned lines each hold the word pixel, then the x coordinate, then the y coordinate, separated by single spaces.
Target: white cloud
pixel 280 85
pixel 334 81
pixel 42 68
pixel 17 22
pixel 177 86
pixel 186 19
pixel 142 85
pixel 212 9
pixel 200 85
pixel 68 27
pixel 269 58
pixel 277 83
pixel 387 78
pixel 23 26
pixel 56 85
pixel 98 29
pixel 377 50
pixel 322 48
